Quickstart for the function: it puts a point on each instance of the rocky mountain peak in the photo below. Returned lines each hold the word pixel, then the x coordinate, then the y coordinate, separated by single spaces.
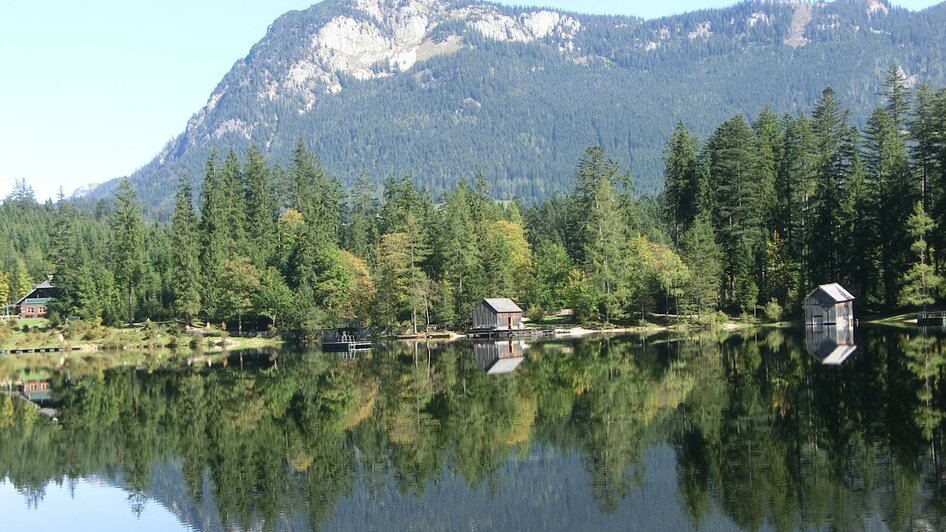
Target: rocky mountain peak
pixel 441 88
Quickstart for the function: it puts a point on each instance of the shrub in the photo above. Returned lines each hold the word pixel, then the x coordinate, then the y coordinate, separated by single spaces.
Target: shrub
pixel 712 319
pixel 772 311
pixel 745 317
pixel 536 313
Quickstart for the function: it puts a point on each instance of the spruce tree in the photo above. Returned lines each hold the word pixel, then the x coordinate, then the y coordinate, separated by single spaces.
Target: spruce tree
pixel 702 255
pixel 126 244
pixel 232 205
pixel 794 189
pixel 835 151
pixel 67 264
pixel 769 142
pixel 361 229
pixel 738 214
pixel 314 194
pixel 261 207
pixel 681 182
pixel 603 231
pixel 920 282
pixel 897 94
pixel 892 197
pixel 185 271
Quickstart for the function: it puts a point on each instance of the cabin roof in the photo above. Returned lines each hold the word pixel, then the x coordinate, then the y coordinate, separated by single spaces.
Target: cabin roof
pixel 502 304
pixel 834 291
pixel 48 283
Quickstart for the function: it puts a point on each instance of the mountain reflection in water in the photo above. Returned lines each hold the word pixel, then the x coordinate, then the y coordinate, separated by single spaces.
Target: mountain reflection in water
pixel 735 431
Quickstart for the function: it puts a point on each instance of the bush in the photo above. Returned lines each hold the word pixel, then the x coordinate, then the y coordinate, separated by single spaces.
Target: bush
pixel 196 343
pixel 745 317
pixel 712 319
pixel 536 313
pixel 772 311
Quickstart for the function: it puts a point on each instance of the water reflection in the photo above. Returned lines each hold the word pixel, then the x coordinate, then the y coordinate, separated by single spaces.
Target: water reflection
pixel 499 357
pixel 712 432
pixel 830 344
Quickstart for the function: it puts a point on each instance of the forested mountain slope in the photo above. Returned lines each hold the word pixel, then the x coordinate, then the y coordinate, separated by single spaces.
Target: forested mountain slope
pixel 442 89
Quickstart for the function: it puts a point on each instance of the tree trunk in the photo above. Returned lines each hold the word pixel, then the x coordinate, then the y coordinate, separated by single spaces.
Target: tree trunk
pixel 131 318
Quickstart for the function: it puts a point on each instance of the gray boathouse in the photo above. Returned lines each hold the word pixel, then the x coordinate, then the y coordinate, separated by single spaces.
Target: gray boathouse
pixel 829 304
pixel 497 314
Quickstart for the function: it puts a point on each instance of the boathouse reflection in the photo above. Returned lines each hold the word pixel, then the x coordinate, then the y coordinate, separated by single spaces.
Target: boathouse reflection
pixel 830 344
pixel 499 357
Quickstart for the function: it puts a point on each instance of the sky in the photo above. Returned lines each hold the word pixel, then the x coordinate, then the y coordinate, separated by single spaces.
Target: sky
pixel 93 90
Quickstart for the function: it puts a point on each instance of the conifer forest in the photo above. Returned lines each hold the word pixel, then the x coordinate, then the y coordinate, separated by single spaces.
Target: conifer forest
pixel 749 221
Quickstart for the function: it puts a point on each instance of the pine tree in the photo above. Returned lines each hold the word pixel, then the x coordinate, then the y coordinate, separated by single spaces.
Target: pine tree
pixel 769 142
pixel 738 214
pixel 702 255
pixel 215 238
pixel 261 207
pixel 418 282
pixel 393 279
pixel 5 292
pixel 458 258
pixel 361 230
pixel 315 195
pixel 126 247
pixel 232 204
pixel 892 197
pixel 924 140
pixel 897 94
pixel 603 230
pixel 552 265
pixel 185 271
pixel 921 282
pixel 794 189
pixel 681 182
pixel 835 151
pixel 66 260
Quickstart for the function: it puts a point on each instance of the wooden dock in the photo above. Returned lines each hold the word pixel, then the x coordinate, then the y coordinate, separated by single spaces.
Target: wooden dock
pixel 931 319
pixel 35 350
pixel 341 347
pixel 510 333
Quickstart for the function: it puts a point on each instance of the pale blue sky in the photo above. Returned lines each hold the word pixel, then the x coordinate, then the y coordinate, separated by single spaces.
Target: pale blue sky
pixel 92 90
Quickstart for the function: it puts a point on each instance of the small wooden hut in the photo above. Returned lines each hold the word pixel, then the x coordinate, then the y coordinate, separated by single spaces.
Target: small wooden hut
pixel 829 304
pixel 498 314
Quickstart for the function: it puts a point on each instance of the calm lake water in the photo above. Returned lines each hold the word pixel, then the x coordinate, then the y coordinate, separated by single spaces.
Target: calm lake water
pixel 717 432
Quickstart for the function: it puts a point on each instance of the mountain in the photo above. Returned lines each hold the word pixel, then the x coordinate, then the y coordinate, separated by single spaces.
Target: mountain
pixel 83 191
pixel 442 89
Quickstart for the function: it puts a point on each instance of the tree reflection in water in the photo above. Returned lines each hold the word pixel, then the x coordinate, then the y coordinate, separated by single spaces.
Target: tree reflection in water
pixel 760 431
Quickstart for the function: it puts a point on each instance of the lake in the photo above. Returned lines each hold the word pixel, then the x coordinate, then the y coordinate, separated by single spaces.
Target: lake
pixel 749 430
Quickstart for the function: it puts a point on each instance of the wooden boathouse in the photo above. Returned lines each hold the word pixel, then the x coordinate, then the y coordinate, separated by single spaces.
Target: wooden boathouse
pixel 829 304
pixel 497 314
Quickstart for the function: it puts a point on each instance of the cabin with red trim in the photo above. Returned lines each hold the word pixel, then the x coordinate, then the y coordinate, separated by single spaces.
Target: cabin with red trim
pixel 35 304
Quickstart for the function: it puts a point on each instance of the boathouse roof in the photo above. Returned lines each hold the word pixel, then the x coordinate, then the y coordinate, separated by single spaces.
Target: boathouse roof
pixel 502 304
pixel 834 291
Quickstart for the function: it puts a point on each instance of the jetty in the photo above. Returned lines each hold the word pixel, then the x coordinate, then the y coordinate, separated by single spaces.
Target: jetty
pixel 344 340
pixel 33 350
pixel 509 334
pixel 931 319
